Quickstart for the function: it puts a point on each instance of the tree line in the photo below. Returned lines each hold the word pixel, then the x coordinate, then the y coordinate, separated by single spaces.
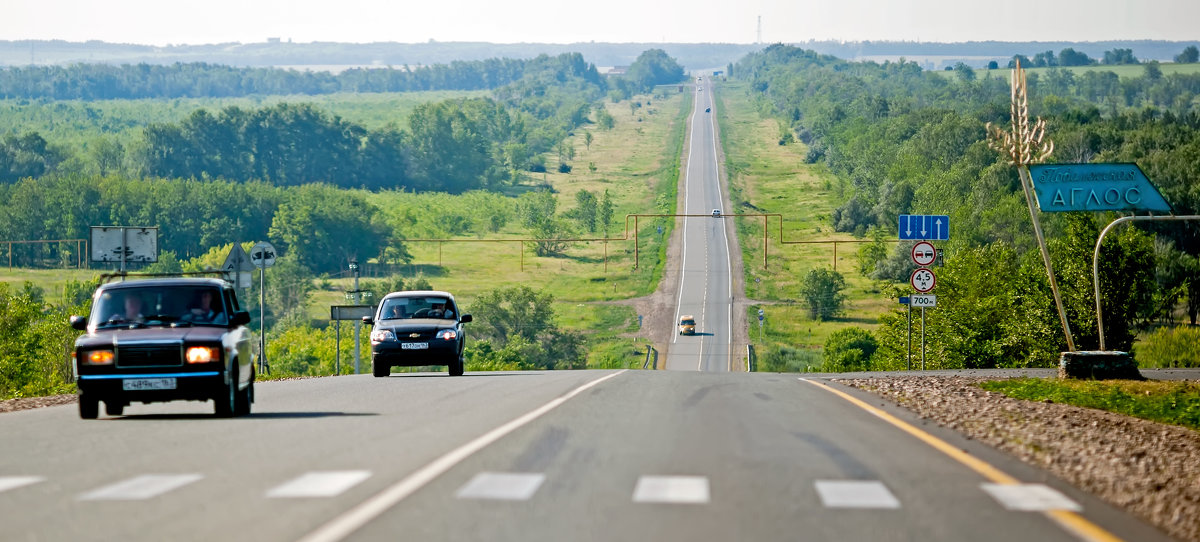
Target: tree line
pixel 901 140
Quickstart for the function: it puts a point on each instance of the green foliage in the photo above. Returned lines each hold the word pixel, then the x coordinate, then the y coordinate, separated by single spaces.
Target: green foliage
pixel 653 67
pixel 849 349
pixel 1169 348
pixel 325 228
pixel 517 323
pixel 1190 55
pixel 585 211
pixel 822 292
pixel 1176 403
pixel 786 359
pixel 35 342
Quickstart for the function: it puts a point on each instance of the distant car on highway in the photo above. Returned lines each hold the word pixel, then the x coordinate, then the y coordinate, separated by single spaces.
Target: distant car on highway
pixel 417 328
pixel 716 213
pixel 708 110
pixel 164 339
pixel 687 325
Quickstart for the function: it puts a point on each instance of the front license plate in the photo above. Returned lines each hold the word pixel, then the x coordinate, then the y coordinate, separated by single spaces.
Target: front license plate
pixel 414 346
pixel 140 384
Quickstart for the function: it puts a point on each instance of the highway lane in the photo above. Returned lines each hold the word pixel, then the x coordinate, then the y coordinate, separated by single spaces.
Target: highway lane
pixel 705 271
pixel 665 455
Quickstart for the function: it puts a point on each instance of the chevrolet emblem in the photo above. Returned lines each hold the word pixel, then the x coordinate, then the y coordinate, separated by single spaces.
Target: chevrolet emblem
pixel 414 335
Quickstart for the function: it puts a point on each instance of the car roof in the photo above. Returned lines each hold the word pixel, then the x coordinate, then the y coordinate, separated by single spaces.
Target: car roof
pixel 418 293
pixel 174 281
pixel 686 317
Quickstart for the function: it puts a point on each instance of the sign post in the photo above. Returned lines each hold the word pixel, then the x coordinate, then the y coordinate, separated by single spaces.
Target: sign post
pixel 262 255
pixel 237 265
pixel 124 244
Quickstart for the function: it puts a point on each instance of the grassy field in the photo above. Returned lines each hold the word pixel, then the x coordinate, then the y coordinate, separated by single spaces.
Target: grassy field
pixel 768 178
pixel 1175 403
pixel 77 122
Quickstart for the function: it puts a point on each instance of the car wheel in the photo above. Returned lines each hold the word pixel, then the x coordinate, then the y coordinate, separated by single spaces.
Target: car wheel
pixel 242 399
pixel 223 405
pixel 89 407
pixel 456 367
pixel 380 369
pixel 114 407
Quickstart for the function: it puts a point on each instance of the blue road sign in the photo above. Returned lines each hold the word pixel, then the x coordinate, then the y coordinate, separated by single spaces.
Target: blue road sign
pixel 925 227
pixel 904 300
pixel 1095 187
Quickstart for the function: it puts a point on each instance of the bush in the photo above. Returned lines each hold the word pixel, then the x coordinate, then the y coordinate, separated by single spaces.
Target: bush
pixel 786 359
pixel 849 350
pixel 1170 348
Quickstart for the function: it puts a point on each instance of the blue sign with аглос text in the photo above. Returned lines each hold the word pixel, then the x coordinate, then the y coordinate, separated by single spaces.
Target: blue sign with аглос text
pixel 1095 187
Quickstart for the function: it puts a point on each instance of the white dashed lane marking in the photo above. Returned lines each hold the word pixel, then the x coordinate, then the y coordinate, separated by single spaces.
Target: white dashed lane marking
pixel 855 494
pixel 1030 497
pixel 672 489
pixel 320 484
pixel 13 482
pixel 140 487
pixel 504 486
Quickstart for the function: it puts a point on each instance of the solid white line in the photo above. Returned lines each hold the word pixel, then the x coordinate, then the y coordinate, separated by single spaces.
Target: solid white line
pixel 855 494
pixel 687 179
pixel 672 489
pixel 353 519
pixel 319 484
pixel 140 487
pixel 13 482
pixel 502 486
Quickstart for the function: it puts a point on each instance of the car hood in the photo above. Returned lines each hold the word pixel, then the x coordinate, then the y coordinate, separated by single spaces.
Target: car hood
pixel 417 324
pixel 152 335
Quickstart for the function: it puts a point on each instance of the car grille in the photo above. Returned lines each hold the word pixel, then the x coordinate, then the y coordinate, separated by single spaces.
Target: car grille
pixel 421 335
pixel 149 355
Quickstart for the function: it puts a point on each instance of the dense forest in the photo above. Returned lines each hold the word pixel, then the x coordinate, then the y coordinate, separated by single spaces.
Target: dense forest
pixel 907 141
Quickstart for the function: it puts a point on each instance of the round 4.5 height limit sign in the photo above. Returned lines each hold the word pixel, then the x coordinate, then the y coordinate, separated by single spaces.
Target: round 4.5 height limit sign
pixel 923 280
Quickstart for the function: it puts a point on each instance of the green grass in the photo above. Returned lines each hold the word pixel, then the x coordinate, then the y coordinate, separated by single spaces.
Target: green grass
pixel 1176 403
pixel 766 178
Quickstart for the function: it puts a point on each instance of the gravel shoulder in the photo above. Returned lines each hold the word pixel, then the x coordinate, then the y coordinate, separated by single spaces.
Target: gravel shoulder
pixel 1150 470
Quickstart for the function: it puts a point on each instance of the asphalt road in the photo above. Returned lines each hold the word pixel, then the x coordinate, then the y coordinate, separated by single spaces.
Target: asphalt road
pixel 567 455
pixel 705 272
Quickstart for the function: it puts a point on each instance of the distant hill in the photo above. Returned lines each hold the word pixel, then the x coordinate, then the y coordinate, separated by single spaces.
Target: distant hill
pixel 693 56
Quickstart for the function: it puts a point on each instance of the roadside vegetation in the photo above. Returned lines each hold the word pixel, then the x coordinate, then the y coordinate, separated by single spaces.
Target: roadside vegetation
pixel 882 140
pixel 1171 402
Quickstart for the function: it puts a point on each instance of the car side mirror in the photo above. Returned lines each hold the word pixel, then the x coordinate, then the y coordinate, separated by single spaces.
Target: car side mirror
pixel 465 318
pixel 79 322
pixel 240 318
pixel 367 320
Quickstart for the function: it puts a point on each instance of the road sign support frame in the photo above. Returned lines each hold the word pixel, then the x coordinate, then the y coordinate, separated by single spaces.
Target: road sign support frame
pixel 1096 258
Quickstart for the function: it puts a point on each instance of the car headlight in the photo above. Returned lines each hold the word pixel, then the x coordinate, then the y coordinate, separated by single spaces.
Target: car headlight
pixel 448 334
pixel 98 357
pixel 202 354
pixel 382 335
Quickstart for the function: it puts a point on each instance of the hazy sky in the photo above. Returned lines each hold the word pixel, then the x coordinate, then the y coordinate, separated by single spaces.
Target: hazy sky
pixel 161 22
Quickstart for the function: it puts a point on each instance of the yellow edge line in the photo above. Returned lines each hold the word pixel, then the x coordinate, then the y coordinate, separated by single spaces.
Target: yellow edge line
pixel 1067 519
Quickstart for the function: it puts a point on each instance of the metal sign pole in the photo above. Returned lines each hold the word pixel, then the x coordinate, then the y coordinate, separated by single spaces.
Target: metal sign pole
pixel 910 336
pixel 262 322
pixel 357 323
pixel 337 348
pixel 922 338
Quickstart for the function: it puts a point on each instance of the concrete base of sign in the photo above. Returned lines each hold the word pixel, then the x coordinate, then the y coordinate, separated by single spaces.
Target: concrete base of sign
pixel 1098 365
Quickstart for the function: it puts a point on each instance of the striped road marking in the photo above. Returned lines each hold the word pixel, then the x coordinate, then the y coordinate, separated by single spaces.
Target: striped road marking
pixel 1031 497
pixel 672 489
pixel 855 494
pixel 140 487
pixel 319 484
pixel 504 486
pixel 13 482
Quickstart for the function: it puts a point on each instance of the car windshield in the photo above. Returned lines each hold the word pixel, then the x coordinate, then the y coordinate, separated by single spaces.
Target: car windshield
pixel 159 305
pixel 687 322
pixel 402 308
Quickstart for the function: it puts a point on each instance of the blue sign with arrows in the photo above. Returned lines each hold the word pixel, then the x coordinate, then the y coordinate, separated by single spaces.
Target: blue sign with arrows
pixel 924 227
pixel 1095 187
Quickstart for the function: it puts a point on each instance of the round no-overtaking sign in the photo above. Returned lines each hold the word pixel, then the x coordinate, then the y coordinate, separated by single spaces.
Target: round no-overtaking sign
pixel 923 253
pixel 262 255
